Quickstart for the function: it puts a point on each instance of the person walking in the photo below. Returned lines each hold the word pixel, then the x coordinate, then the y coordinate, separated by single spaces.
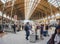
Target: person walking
pixel 14 27
pixel 41 31
pixel 27 28
pixel 47 28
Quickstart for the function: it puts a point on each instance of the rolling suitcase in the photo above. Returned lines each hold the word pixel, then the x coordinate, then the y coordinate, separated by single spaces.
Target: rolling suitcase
pixel 32 38
pixel 45 33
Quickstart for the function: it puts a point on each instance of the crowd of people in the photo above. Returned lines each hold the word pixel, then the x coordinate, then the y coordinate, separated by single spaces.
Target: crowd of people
pixel 28 27
pixel 6 27
pixel 55 37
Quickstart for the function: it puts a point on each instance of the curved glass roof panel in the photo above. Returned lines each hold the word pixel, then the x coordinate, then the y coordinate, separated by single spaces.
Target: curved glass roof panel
pixel 4 1
pixel 55 3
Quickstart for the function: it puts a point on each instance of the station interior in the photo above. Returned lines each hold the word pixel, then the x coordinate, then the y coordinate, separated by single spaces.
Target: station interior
pixel 19 12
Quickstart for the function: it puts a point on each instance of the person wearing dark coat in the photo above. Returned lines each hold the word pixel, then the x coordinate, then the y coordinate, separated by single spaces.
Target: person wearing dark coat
pixel 47 28
pixel 0 29
pixel 27 28
pixel 55 39
pixel 41 31
pixel 14 27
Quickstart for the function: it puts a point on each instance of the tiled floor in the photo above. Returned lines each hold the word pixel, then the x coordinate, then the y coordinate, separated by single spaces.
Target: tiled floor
pixel 19 38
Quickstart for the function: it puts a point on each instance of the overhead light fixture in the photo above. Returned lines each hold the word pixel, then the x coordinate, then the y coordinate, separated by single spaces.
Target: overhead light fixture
pixel 4 15
pixel 52 16
pixel 57 14
pixel 0 13
pixel 49 17
pixel 45 18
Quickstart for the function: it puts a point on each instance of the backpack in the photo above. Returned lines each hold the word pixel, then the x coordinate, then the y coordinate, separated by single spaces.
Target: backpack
pixel 26 28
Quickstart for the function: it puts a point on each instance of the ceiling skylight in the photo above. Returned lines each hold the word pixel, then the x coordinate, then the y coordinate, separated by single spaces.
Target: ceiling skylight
pixel 4 1
pixel 56 3
pixel 30 6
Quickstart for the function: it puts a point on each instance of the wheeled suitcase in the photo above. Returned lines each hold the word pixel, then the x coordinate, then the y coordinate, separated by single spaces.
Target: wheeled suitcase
pixel 32 38
pixel 44 33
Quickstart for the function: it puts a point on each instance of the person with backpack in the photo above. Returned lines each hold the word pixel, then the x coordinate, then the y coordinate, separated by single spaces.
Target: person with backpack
pixel 27 30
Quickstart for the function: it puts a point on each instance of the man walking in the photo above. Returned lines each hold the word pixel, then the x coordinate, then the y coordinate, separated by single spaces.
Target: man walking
pixel 14 27
pixel 27 28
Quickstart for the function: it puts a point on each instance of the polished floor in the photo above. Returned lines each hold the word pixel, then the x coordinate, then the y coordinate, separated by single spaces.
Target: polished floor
pixel 19 38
